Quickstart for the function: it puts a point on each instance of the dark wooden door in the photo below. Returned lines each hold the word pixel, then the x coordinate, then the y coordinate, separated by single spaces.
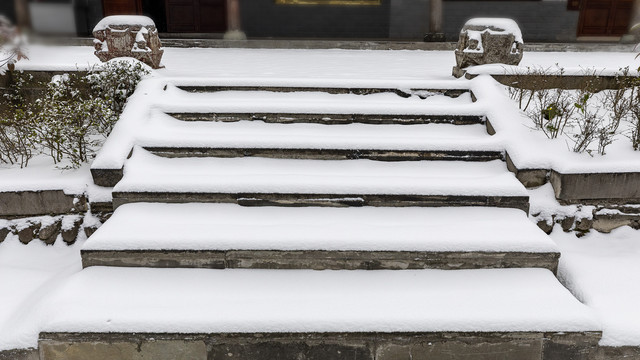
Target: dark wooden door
pixel 121 7
pixel 197 16
pixel 604 17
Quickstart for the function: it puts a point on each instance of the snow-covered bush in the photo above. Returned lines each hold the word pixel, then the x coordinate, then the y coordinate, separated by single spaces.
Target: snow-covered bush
pixel 587 116
pixel 552 111
pixel 15 125
pixel 114 82
pixel 588 124
pixel 65 118
pixel 635 119
pixel 71 118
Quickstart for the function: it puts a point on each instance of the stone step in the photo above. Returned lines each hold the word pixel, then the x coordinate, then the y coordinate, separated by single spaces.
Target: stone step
pixel 315 105
pixel 293 182
pixel 275 314
pixel 405 93
pixel 331 118
pixel 232 236
pixel 167 137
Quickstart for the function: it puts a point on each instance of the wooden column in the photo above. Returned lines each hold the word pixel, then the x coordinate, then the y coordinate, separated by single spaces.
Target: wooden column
pixel 23 20
pixel 234 29
pixel 435 22
pixel 435 16
pixel 635 20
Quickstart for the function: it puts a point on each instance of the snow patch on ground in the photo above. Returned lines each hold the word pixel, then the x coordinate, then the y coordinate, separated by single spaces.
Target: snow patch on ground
pixel 43 174
pixel 336 64
pixel 28 274
pixel 603 271
pixel 544 206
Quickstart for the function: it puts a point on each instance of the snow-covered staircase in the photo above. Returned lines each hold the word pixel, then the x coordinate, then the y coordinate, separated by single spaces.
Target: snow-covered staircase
pixel 220 225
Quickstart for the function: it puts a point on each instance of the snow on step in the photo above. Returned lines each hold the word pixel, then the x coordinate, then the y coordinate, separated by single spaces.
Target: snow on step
pixel 145 172
pixel 231 236
pixel 165 131
pixel 126 300
pixel 198 226
pixel 175 100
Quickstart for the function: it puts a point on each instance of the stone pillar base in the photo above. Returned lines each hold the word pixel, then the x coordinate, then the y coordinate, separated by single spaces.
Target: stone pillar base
pixel 235 35
pixel 434 37
pixel 630 39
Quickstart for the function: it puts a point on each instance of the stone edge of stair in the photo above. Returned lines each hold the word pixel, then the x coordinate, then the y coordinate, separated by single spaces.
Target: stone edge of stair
pixel 320 259
pixel 293 199
pixel 331 119
pixel 380 345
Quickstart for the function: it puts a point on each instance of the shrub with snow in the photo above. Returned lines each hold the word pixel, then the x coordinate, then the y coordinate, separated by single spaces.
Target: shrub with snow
pixel 589 119
pixel 72 117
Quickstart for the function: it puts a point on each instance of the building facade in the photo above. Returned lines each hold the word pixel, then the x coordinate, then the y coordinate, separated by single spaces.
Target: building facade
pixel 540 20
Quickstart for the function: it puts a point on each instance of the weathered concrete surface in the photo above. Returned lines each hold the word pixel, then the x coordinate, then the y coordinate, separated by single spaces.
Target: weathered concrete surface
pixel 528 177
pixel 618 353
pixel 539 81
pixel 106 177
pixel 596 188
pixel 338 200
pixel 45 202
pixel 20 354
pixel 319 259
pixel 328 154
pixel 330 119
pixel 324 346
pixel 124 349
pixel 575 346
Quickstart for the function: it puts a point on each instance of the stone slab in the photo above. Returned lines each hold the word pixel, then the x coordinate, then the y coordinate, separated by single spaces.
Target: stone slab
pixel 106 177
pixel 339 200
pixel 19 354
pixel 357 91
pixel 596 188
pixel 45 202
pixel 329 119
pixel 320 346
pixel 328 154
pixel 618 353
pixel 319 260
pixel 537 82
pixel 528 177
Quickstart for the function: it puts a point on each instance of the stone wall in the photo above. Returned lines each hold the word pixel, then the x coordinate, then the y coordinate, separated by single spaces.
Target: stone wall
pixel 51 229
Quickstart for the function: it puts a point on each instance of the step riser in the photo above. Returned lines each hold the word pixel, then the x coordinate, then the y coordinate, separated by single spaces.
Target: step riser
pixel 335 200
pixel 319 260
pixel 453 93
pixel 314 346
pixel 328 154
pixel 333 119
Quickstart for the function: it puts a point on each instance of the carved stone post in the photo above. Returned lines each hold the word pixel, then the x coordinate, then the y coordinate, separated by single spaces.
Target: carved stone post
pixel 234 29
